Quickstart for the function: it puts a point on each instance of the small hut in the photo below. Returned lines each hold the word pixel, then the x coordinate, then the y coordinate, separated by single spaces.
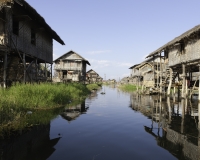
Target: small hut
pixel 70 67
pixel 93 77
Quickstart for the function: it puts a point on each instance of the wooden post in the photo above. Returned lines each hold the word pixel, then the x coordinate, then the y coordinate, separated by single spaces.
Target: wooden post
pixel 174 90
pixel 24 63
pixel 199 86
pixel 169 109
pixel 183 84
pixel 199 129
pixel 45 67
pixel 139 80
pixel 154 71
pixel 36 67
pixel 183 115
pixel 5 70
pixel 51 72
pixel 170 82
pixel 157 76
pixel 161 68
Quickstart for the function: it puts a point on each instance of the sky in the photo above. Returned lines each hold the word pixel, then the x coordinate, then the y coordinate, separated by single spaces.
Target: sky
pixel 114 35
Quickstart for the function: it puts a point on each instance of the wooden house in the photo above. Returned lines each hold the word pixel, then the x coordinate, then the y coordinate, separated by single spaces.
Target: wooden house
pixel 26 42
pixel 148 72
pixel 134 75
pixel 93 77
pixel 70 67
pixel 182 56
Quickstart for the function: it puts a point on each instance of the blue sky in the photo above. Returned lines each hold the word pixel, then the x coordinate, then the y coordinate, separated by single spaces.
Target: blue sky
pixel 116 34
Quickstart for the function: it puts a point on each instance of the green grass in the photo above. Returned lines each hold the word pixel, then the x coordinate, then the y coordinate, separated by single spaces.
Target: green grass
pixel 46 95
pixel 94 86
pixel 128 87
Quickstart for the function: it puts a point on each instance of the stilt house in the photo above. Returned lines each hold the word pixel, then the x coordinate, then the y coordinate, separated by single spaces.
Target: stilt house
pixel 148 72
pixel 70 67
pixel 134 75
pixel 93 77
pixel 182 56
pixel 26 41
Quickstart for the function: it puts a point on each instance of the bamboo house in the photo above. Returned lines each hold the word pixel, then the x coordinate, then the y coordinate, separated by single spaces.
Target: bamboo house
pixel 26 42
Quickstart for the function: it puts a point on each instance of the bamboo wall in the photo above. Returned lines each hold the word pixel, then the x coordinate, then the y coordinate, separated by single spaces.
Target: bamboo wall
pixel 44 45
pixel 190 53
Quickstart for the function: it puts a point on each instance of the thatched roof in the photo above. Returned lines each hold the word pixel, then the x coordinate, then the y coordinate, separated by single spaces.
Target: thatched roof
pixel 83 59
pixel 35 16
pixel 176 40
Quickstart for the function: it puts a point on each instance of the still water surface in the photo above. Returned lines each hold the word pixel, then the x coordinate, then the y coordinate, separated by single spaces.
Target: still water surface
pixel 118 126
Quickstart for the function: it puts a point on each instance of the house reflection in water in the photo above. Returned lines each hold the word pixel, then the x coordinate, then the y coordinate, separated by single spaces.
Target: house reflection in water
pixel 72 112
pixel 174 123
pixel 33 143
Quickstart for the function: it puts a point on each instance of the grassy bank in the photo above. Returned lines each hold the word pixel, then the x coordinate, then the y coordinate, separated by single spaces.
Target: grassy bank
pixel 34 96
pixel 128 87
pixel 23 106
pixel 94 86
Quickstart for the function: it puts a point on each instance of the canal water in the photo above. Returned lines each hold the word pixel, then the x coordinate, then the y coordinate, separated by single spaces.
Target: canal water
pixel 113 126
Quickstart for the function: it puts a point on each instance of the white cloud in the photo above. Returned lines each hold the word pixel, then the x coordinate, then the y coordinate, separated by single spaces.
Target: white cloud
pixel 99 52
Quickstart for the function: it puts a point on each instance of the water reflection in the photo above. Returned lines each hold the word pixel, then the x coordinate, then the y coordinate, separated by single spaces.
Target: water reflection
pixel 32 144
pixel 72 112
pixel 174 123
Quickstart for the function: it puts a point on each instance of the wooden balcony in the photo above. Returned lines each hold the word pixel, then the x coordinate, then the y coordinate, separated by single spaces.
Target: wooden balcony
pixel 58 67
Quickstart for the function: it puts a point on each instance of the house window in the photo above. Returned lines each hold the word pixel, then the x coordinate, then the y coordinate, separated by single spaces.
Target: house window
pixel 16 27
pixel 33 37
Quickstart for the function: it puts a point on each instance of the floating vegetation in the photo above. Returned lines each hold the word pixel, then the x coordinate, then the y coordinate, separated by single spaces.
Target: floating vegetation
pixel 128 87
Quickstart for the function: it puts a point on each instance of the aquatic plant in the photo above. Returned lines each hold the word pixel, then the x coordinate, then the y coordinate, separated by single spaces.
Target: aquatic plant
pixel 128 87
pixel 93 86
pixel 45 95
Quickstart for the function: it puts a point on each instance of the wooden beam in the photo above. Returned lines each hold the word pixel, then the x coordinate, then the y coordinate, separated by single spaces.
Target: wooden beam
pixel 5 70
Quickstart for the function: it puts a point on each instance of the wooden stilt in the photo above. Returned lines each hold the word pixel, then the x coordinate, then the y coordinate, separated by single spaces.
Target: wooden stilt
pixel 161 69
pixel 36 67
pixel 24 63
pixel 51 73
pixel 45 67
pixel 183 84
pixel 199 86
pixel 170 82
pixel 183 115
pixel 157 76
pixel 169 109
pixel 5 70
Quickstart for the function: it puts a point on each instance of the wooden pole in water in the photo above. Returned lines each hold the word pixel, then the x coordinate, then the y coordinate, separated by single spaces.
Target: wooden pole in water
pixel 183 115
pixel 169 109
pixel 5 70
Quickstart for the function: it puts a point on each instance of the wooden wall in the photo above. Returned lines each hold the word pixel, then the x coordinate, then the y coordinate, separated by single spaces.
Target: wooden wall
pixel 44 44
pixel 191 52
